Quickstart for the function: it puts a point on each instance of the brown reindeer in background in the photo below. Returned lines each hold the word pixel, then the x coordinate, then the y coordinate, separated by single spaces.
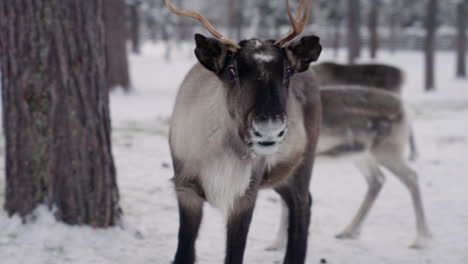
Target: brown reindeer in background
pixel 370 127
pixel 379 76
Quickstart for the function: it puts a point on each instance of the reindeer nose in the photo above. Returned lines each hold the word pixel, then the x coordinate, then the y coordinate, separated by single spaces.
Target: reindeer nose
pixel 267 130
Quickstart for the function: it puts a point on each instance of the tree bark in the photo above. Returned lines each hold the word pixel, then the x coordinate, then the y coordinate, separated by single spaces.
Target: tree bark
pixel 373 28
pixel 430 45
pixel 116 49
pixel 56 111
pixel 461 39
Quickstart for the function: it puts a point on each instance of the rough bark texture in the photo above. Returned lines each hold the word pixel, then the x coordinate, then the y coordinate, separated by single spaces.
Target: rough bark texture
pixel 461 39
pixel 431 17
pixel 116 50
pixel 56 111
pixel 373 25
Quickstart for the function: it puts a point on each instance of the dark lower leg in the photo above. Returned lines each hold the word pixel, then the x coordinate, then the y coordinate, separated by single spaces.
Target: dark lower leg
pixel 299 219
pixel 237 230
pixel 190 219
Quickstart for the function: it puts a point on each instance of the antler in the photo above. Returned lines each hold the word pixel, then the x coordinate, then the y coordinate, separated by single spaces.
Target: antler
pixel 204 22
pixel 297 27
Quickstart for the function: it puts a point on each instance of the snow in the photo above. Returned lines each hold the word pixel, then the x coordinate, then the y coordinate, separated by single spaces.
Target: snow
pixel 149 230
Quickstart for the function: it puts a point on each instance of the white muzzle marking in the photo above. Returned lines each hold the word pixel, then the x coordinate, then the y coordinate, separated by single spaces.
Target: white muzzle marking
pixel 267 136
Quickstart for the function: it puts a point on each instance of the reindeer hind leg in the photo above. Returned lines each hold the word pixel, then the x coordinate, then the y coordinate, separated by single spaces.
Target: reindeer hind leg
pixel 410 179
pixel 282 233
pixel 375 180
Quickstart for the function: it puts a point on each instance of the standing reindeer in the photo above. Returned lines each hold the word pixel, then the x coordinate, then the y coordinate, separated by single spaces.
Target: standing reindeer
pixel 371 126
pixel 241 122
pixel 380 76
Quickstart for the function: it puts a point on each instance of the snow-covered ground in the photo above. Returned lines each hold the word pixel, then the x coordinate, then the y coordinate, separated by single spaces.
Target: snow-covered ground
pixel 149 232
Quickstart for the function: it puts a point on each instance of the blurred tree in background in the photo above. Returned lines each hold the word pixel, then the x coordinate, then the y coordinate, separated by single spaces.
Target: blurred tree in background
pixel 429 49
pixel 395 25
pixel 115 44
pixel 462 12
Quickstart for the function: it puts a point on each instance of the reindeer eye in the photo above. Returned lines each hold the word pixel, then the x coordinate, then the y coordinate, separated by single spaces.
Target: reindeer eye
pixel 232 74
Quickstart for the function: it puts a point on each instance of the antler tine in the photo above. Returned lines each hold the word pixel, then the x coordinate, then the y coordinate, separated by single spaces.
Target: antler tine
pixel 204 22
pixel 297 27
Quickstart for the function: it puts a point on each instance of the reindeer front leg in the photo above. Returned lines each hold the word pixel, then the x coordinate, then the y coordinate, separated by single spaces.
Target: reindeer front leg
pixel 190 216
pixel 295 194
pixel 238 228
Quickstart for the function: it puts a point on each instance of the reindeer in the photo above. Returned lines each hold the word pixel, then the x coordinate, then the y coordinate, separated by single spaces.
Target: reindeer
pixel 380 76
pixel 370 127
pixel 243 120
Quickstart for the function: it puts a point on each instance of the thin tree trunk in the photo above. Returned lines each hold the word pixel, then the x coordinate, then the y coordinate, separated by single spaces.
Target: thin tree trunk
pixel 183 25
pixel 336 38
pixel 135 26
pixel 335 18
pixel 358 45
pixel 353 30
pixel 430 45
pixel 393 27
pixel 231 17
pixel 373 28
pixel 461 39
pixel 116 50
pixel 240 19
pixel 235 19
pixel 56 111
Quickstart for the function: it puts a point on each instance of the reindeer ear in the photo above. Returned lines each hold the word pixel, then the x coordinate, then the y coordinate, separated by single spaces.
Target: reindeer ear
pixel 304 51
pixel 211 53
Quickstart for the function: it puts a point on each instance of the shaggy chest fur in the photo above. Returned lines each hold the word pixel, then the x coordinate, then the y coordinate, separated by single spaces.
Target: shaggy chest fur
pixel 225 179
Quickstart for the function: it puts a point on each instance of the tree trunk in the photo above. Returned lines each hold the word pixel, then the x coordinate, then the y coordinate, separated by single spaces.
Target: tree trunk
pixel 235 19
pixel 353 30
pixel 240 19
pixel 56 111
pixel 430 45
pixel 231 17
pixel 392 43
pixel 336 21
pixel 336 38
pixel 461 39
pixel 184 24
pixel 358 10
pixel 116 50
pixel 135 26
pixel 373 28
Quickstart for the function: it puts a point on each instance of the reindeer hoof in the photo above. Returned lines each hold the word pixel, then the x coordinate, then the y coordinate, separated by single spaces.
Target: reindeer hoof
pixel 413 157
pixel 277 246
pixel 421 242
pixel 347 235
